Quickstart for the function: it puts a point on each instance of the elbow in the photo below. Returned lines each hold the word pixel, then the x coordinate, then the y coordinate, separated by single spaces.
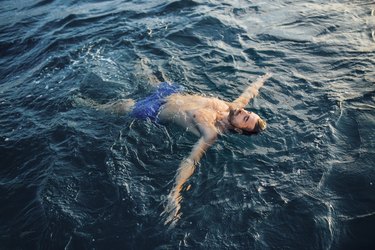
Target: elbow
pixel 210 138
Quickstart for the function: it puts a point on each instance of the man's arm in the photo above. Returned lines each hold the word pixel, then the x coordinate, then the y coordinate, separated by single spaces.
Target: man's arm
pixel 251 91
pixel 188 165
pixel 187 168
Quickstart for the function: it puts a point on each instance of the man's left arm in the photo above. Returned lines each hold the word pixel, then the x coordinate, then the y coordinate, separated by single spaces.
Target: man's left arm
pixel 250 92
pixel 187 168
pixel 189 164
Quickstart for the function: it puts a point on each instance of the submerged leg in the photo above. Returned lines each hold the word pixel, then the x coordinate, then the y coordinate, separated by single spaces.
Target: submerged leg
pixel 119 107
pixel 153 77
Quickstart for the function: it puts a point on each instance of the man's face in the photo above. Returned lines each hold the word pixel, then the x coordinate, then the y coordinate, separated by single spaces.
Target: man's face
pixel 245 120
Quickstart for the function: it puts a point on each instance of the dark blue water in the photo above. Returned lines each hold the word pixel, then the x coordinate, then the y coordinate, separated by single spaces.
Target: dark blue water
pixel 78 178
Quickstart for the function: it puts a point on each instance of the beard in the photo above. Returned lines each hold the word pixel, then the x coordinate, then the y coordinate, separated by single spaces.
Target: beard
pixel 231 115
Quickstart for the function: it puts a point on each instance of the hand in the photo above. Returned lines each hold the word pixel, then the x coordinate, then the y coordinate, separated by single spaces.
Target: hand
pixel 172 209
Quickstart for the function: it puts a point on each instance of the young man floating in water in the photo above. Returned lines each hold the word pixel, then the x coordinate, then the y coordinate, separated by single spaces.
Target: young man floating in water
pixel 207 117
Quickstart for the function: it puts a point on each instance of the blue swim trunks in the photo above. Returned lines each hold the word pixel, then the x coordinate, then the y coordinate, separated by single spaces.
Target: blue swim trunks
pixel 150 105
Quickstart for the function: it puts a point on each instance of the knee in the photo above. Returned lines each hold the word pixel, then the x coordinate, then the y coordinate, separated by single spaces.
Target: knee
pixel 123 106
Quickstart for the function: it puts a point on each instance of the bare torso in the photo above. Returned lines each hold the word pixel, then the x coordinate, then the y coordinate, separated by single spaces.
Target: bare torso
pixel 193 111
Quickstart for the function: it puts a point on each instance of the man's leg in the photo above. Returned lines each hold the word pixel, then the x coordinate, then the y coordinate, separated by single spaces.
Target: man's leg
pixel 153 77
pixel 119 107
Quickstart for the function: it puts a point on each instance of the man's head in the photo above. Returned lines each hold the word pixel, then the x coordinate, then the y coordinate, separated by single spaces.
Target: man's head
pixel 246 122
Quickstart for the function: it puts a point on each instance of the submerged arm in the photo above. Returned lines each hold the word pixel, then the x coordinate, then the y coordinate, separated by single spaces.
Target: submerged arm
pixel 188 165
pixel 251 91
pixel 186 170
